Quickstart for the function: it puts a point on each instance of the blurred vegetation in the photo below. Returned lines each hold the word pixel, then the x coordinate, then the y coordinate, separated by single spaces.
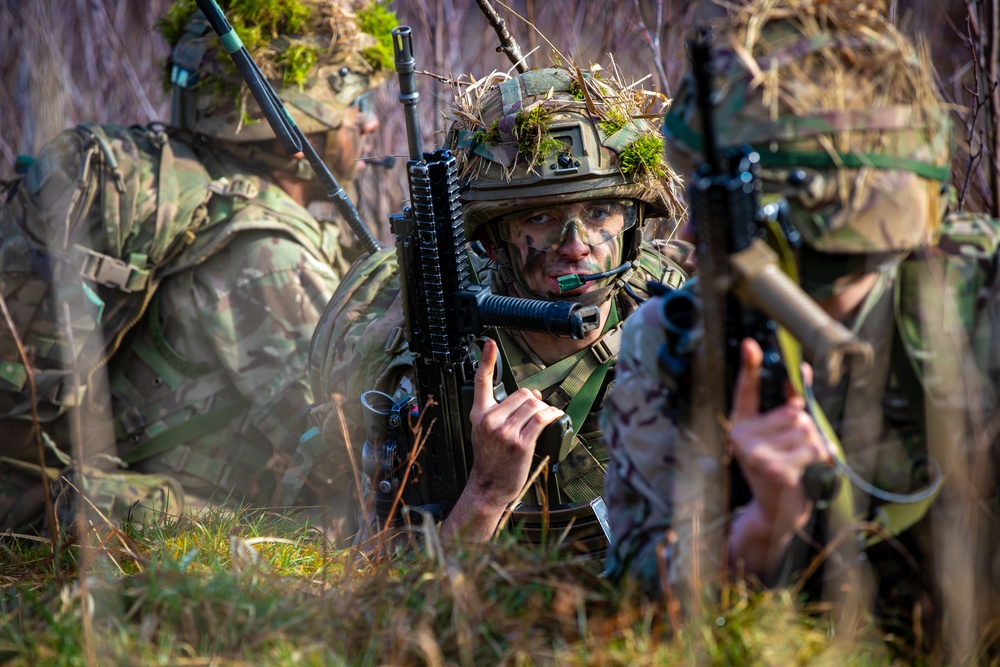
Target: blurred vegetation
pixel 255 588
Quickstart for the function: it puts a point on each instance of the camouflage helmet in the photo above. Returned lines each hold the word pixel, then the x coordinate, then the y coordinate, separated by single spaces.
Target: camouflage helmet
pixel 319 56
pixel 555 136
pixel 843 112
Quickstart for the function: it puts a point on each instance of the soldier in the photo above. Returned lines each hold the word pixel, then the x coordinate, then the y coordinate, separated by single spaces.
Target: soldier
pixel 195 261
pixel 559 174
pixel 850 130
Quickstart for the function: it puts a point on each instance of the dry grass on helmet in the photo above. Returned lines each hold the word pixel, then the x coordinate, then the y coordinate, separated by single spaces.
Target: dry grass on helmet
pixel 603 95
pixel 815 56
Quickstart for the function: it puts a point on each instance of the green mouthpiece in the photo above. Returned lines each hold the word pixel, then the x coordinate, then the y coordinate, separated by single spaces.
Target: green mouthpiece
pixel 569 282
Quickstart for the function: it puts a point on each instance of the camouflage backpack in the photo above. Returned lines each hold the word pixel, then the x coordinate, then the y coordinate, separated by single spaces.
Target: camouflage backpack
pixel 87 234
pixel 83 240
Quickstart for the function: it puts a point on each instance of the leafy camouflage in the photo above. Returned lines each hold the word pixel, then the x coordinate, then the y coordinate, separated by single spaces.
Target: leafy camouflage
pixel 836 93
pixel 344 62
pixel 558 135
pixel 204 391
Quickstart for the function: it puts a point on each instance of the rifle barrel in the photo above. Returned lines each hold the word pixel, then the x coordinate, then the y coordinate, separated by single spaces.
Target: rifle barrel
pixel 402 42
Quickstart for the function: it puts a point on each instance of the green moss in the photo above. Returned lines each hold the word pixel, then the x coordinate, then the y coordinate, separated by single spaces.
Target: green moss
pixel 576 90
pixel 256 23
pixel 297 61
pixel 171 24
pixel 532 131
pixel 644 155
pixel 378 20
pixel 614 120
pixel 490 135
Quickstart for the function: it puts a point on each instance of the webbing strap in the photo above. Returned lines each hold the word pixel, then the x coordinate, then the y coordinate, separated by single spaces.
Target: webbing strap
pixel 186 431
pixel 582 403
pixel 842 505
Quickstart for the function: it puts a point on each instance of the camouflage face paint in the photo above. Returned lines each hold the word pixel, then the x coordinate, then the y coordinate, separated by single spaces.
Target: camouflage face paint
pixel 533 270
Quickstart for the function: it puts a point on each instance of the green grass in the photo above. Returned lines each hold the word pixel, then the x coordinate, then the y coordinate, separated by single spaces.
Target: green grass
pixel 258 588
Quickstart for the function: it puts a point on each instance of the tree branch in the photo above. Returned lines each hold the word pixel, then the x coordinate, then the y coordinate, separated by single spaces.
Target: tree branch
pixel 507 43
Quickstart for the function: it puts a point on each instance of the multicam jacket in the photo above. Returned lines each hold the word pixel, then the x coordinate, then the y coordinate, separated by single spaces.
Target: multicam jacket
pixel 360 344
pixel 206 375
pixel 653 486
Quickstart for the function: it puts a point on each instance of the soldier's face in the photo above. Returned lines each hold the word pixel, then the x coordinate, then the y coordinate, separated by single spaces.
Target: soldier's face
pixel 550 242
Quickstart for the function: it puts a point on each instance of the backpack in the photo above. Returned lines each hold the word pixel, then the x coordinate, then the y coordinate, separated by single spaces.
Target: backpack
pixel 85 234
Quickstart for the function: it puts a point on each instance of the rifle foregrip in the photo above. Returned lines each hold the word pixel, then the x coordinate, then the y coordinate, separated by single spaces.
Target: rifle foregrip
pixel 559 318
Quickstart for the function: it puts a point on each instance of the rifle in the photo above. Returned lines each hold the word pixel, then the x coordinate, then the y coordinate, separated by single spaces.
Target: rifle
pixel 743 292
pixel 445 313
pixel 289 135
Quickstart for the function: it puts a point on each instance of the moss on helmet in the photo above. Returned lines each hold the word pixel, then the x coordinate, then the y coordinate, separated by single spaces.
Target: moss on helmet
pixel 256 23
pixel 490 135
pixel 614 119
pixel 531 127
pixel 297 61
pixel 378 20
pixel 644 155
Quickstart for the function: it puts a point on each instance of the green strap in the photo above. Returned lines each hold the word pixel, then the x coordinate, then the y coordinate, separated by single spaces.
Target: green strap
pixel 186 431
pixel 582 403
pixel 674 125
pixel 580 406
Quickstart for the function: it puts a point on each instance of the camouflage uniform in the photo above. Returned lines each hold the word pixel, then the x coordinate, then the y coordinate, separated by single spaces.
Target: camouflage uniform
pixel 193 355
pixel 920 404
pixel 360 343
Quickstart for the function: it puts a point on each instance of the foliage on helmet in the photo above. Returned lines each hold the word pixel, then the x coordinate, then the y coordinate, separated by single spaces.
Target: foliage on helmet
pixel 509 135
pixel 830 86
pixel 296 43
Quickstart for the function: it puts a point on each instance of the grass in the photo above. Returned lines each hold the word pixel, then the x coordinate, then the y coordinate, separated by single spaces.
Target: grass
pixel 261 588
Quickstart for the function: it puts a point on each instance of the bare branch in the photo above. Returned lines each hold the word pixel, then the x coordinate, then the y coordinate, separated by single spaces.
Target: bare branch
pixel 507 43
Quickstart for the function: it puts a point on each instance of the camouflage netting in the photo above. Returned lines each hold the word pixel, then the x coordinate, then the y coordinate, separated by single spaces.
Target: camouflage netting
pixel 559 134
pixel 319 55
pixel 828 85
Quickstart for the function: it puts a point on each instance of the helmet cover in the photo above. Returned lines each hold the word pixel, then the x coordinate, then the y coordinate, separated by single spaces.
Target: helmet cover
pixel 843 112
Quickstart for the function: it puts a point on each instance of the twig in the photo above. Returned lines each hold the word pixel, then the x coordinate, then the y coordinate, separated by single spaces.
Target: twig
pixel 36 428
pixel 338 401
pixel 507 43
pixel 653 39
pixel 76 445
pixel 543 464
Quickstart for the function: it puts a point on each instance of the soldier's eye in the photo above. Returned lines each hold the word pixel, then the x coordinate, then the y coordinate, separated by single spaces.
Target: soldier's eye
pixel 538 219
pixel 597 213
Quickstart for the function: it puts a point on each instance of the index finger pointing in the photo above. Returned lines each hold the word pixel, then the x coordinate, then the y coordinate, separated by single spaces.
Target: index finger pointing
pixel 746 392
pixel 483 398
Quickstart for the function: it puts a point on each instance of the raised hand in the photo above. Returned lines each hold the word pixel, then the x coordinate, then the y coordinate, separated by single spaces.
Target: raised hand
pixel 772 449
pixel 503 442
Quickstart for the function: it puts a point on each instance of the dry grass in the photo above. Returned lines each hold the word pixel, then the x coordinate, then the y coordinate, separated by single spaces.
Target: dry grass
pixel 258 588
